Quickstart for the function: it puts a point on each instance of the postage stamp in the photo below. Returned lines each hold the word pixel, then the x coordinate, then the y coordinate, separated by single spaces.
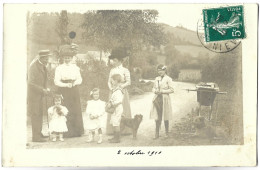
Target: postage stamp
pixel 225 23
pixel 224 46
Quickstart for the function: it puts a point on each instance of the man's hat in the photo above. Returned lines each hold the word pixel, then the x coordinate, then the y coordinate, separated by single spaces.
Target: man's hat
pixel 118 53
pixel 44 53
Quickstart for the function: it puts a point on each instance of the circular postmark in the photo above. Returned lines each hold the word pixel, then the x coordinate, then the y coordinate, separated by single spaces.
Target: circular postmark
pixel 215 46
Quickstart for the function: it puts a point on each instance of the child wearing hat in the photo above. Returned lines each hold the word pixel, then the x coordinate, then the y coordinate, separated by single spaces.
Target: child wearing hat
pixel 161 105
pixel 95 116
pixel 57 114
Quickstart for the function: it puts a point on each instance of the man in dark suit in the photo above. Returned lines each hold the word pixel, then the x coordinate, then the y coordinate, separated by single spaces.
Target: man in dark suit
pixel 37 81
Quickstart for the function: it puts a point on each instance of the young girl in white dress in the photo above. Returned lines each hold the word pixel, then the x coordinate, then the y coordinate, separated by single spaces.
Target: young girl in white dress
pixel 95 119
pixel 57 115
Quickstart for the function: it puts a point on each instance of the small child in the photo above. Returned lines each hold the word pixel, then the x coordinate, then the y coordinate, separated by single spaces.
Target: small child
pixel 115 101
pixel 57 114
pixel 95 119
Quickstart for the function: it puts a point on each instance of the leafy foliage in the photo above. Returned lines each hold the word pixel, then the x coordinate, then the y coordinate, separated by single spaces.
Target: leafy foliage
pixel 62 27
pixel 132 29
pixel 94 75
pixel 41 28
pixel 224 69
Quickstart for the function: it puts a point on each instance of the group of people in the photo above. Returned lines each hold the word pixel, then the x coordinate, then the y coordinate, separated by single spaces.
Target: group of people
pixel 65 116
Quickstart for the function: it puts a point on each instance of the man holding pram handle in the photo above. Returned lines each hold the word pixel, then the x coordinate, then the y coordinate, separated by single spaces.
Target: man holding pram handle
pixel 37 89
pixel 161 107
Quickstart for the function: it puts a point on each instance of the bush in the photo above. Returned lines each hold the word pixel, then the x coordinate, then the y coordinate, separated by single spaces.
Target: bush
pixel 149 72
pixel 95 75
pixel 226 70
pixel 173 71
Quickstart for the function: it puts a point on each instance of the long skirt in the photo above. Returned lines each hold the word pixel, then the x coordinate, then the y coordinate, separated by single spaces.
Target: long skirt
pixel 71 100
pixel 166 108
pixel 126 114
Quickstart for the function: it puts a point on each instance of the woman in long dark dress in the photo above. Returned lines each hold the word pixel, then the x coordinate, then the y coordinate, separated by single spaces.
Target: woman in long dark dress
pixel 117 56
pixel 68 78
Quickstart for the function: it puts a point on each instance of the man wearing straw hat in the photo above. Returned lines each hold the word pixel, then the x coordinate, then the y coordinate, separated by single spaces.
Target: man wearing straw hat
pixel 37 81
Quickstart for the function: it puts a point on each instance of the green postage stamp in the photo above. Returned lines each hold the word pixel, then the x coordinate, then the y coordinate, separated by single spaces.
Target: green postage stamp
pixel 225 23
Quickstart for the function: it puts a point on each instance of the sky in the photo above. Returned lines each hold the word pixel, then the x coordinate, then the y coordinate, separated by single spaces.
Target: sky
pixel 186 15
pixel 177 15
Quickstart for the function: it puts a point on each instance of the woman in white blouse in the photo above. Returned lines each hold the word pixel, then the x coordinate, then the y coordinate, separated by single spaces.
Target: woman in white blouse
pixel 117 56
pixel 67 78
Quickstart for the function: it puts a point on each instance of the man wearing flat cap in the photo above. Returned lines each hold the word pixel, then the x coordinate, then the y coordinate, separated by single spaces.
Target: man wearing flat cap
pixel 37 81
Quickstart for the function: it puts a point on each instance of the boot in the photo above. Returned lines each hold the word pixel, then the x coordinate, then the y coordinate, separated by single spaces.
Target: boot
pixel 166 124
pixel 156 136
pixel 38 140
pixel 90 137
pixel 43 136
pixel 116 139
pixel 54 139
pixel 114 134
pixel 61 137
pixel 100 139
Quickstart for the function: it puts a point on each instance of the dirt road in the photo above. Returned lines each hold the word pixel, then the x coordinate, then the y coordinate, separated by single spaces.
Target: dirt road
pixel 182 103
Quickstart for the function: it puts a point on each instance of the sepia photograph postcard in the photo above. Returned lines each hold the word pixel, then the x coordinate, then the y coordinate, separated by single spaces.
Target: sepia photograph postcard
pixel 129 85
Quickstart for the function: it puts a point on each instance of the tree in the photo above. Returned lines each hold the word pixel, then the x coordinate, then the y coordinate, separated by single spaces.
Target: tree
pixel 224 69
pixel 172 54
pixel 62 26
pixel 131 29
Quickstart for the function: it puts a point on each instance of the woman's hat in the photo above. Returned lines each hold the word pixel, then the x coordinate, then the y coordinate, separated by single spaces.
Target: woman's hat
pixel 118 53
pixel 58 96
pixel 44 53
pixel 67 51
pixel 74 47
pixel 93 91
pixel 161 67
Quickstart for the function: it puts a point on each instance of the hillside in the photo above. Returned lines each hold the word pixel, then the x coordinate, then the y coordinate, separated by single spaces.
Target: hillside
pixel 194 51
pixel 182 33
pixel 186 41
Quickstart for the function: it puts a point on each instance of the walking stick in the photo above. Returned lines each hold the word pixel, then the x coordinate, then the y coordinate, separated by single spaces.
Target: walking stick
pixel 48 125
pixel 46 101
